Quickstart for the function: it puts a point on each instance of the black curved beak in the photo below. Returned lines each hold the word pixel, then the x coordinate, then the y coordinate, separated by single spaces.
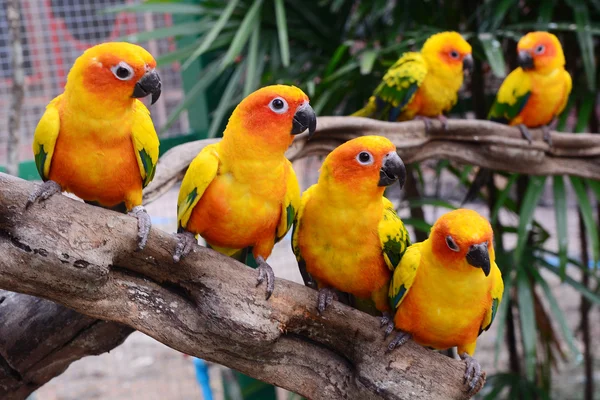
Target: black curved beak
pixel 149 83
pixel 304 118
pixel 478 256
pixel 525 60
pixel 468 63
pixel 392 170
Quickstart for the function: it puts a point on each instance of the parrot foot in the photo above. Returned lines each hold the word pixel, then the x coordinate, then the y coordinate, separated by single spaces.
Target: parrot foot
pixel 326 297
pixel 547 136
pixel 144 225
pixel 472 372
pixel 400 339
pixel 444 120
pixel 525 133
pixel 185 243
pixel 427 121
pixel 43 192
pixel 265 271
pixel 387 322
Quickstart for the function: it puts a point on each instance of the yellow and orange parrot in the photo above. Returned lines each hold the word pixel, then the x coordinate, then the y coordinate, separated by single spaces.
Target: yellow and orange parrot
pixel 447 289
pixel 241 194
pixel 535 93
pixel 422 84
pixel 96 139
pixel 347 235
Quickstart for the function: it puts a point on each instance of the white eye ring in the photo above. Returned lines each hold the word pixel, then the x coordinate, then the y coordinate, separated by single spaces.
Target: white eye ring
pixel 540 49
pixel 122 71
pixel 278 105
pixel 452 244
pixel 364 158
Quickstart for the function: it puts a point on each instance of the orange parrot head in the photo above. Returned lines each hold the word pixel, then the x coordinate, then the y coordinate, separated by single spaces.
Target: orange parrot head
pixel 463 239
pixel 117 72
pixel 365 164
pixel 540 51
pixel 448 50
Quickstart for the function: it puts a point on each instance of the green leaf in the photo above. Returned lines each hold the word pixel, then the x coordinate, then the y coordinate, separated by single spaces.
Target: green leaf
pixel 494 54
pixel 562 236
pixel 367 60
pixel 588 216
pixel 418 224
pixel 586 107
pixel 586 41
pixel 162 8
pixel 545 11
pixel 527 318
pixel 242 35
pixel 336 58
pixel 587 293
pixel 502 197
pixel 500 320
pixel 412 203
pixel 185 29
pixel 250 83
pixel 225 102
pixel 530 200
pixel 212 34
pixel 282 32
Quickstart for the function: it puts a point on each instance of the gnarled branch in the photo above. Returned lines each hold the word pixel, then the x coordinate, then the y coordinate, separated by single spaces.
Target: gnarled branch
pixel 85 258
pixel 482 143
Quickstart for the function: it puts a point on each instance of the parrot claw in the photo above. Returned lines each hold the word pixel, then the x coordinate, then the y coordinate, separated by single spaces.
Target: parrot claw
pixel 326 297
pixel 388 329
pixel 426 121
pixel 185 243
pixel 472 372
pixel 265 271
pixel 43 192
pixel 547 136
pixel 400 339
pixel 525 133
pixel 444 120
pixel 385 319
pixel 144 225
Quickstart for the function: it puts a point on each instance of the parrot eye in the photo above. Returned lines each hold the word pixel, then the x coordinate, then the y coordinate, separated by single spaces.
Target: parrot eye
pixel 454 54
pixel 122 71
pixel 278 105
pixel 364 158
pixel 540 49
pixel 452 244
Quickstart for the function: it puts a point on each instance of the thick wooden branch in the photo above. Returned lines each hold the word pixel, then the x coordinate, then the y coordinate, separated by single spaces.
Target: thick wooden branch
pixel 207 306
pixel 482 143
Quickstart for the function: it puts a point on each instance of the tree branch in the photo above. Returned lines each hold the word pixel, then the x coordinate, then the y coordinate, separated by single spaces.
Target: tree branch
pixel 84 257
pixel 482 143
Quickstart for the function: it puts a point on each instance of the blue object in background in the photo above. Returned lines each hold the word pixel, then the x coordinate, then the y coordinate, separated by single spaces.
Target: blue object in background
pixel 202 377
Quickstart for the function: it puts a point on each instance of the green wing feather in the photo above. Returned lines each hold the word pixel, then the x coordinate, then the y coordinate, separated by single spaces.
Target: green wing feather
pixel 393 235
pixel 512 97
pixel 145 142
pixel 308 280
pixel 404 275
pixel 497 292
pixel 45 136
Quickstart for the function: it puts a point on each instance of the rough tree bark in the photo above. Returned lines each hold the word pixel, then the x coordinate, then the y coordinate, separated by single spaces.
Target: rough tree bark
pixel 207 306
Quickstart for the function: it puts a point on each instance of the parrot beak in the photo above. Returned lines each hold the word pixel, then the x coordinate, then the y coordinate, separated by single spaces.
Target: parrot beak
pixel 392 170
pixel 468 63
pixel 525 60
pixel 304 118
pixel 149 83
pixel 478 256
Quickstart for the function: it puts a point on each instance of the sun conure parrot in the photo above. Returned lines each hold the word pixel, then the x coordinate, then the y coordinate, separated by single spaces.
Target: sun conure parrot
pixel 241 194
pixel 535 93
pixel 347 236
pixel 447 289
pixel 96 139
pixel 422 84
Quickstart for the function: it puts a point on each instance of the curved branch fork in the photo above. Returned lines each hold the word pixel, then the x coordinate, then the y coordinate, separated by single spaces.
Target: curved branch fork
pixel 84 258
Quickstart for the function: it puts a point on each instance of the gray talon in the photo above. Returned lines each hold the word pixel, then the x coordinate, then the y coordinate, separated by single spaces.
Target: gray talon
pixel 326 297
pixel 265 271
pixel 400 339
pixel 185 244
pixel 144 225
pixel 43 192
pixel 388 329
pixel 547 136
pixel 472 372
pixel 385 319
pixel 525 133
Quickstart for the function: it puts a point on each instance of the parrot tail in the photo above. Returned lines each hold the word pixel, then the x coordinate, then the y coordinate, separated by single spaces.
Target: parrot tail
pixel 368 110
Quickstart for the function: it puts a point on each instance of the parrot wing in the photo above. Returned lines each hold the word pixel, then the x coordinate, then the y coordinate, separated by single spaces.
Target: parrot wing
pixel 201 173
pixel 44 138
pixel 404 275
pixel 512 97
pixel 568 87
pixel 497 291
pixel 400 83
pixel 308 281
pixel 145 142
pixel 393 235
pixel 290 204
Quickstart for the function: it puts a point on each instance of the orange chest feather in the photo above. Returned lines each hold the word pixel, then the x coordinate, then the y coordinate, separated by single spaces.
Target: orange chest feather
pixel 544 103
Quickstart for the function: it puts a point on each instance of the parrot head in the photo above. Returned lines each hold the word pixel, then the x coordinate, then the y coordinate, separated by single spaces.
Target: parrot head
pixel 448 50
pixel 463 239
pixel 367 163
pixel 116 71
pixel 540 51
pixel 271 116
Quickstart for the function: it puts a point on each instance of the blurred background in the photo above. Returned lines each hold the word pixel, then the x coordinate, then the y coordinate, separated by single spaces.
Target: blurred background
pixel 543 343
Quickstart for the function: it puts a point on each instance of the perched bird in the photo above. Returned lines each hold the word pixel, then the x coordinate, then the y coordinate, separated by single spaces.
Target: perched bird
pixel 347 236
pixel 448 288
pixel 241 194
pixel 96 139
pixel 422 85
pixel 535 93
